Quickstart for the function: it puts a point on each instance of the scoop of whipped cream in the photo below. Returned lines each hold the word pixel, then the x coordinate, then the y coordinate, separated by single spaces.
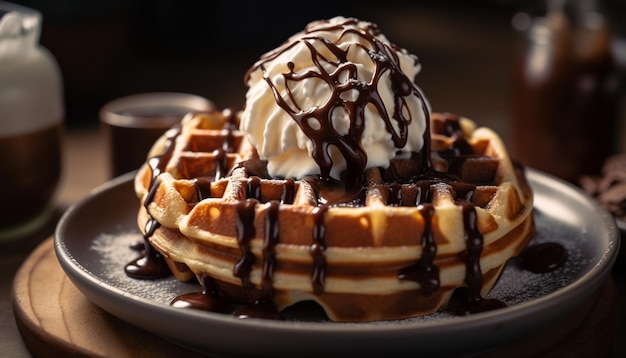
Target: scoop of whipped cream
pixel 334 100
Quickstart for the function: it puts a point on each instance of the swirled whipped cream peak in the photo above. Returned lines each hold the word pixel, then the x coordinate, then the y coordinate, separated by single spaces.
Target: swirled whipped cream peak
pixel 334 100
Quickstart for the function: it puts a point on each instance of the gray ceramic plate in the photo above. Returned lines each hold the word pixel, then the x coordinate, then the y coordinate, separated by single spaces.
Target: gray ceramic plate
pixel 92 244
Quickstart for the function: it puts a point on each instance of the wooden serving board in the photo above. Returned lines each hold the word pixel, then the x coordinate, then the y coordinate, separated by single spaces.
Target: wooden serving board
pixel 56 320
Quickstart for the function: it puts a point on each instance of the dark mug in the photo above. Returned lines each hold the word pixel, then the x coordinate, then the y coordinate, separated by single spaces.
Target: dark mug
pixel 132 124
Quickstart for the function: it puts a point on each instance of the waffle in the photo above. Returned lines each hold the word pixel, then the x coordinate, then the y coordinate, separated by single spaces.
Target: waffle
pixel 398 248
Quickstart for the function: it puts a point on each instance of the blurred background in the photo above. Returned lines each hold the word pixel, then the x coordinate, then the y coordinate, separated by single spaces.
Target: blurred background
pixel 108 49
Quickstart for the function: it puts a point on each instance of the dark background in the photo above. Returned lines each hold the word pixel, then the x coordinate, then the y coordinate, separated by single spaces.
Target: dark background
pixel 108 49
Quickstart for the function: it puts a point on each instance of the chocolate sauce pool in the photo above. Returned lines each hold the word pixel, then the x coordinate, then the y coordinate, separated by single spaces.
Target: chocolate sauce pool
pixel 345 193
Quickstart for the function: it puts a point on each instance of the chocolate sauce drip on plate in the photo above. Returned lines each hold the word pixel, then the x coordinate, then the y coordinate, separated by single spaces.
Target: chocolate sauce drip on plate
pixel 468 300
pixel 462 303
pixel 150 264
pixel 207 300
pixel 262 308
pixel 544 257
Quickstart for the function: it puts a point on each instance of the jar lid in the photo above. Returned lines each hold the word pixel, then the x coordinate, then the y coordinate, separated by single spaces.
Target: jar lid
pixel 20 28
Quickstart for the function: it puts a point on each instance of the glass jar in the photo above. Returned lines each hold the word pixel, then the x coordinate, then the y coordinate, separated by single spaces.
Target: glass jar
pixel 565 97
pixel 31 118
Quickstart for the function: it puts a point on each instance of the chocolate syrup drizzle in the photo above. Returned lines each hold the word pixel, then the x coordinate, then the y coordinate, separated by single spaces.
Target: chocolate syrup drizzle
pixel 150 264
pixel 424 272
pixel 317 250
pixel 245 233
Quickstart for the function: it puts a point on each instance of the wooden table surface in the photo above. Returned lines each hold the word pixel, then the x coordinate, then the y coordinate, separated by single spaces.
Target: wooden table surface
pixel 80 147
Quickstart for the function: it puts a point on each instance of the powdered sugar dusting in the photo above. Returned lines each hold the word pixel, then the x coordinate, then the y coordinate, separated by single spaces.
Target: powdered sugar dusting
pixel 115 251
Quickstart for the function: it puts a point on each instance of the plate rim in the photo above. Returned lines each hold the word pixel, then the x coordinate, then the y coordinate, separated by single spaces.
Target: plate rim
pixel 88 283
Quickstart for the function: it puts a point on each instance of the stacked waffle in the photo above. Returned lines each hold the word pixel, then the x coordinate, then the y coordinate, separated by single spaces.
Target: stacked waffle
pixel 397 246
